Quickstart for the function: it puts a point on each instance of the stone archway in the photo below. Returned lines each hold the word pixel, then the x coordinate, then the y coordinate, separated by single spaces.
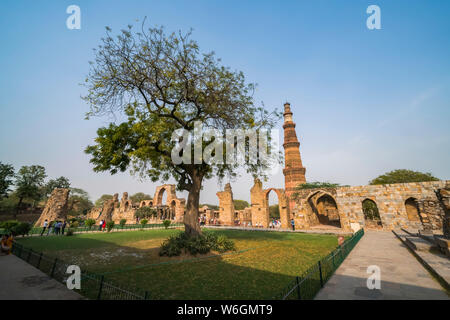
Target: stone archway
pixel 412 210
pixel 322 209
pixel 282 205
pixel 260 205
pixel 372 217
pixel 174 206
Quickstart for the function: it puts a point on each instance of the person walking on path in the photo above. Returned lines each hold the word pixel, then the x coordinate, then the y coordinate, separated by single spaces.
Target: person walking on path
pixel 100 225
pixel 63 227
pixel 104 225
pixel 293 224
pixel 57 227
pixel 45 225
pixel 51 226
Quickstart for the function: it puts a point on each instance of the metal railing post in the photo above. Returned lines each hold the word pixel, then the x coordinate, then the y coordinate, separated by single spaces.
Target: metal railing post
pixel 320 274
pixel 100 288
pixel 53 268
pixel 29 255
pixel 298 288
pixel 39 261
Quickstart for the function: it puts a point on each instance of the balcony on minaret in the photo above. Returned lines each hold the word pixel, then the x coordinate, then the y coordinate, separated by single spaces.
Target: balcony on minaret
pixel 294 172
pixel 287 112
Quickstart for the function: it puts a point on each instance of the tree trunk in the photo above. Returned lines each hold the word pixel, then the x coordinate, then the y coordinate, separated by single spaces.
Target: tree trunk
pixel 18 208
pixel 191 225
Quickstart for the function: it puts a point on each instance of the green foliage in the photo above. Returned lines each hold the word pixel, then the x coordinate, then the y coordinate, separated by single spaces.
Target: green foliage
pixel 22 228
pixel 79 202
pixel 403 176
pixel 370 210
pixel 16 227
pixel 143 222
pixel 110 225
pixel 140 196
pixel 274 211
pixel 69 232
pixel 6 179
pixel 74 224
pixel 29 182
pixel 102 199
pixel 317 184
pixel 170 84
pixel 210 206
pixel 240 204
pixel 9 225
pixel 89 223
pixel 122 222
pixel 61 182
pixel 201 244
pixel 145 212
pixel 166 223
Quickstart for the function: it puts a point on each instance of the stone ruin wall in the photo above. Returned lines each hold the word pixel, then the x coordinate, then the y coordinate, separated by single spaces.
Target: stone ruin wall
pixel 390 200
pixel 113 210
pixel 56 207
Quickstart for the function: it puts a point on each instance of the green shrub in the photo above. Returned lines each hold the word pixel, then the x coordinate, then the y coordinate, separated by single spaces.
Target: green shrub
pixel 89 223
pixel 166 223
pixel 122 222
pixel 9 225
pixel 202 244
pixel 145 212
pixel 74 224
pixel 69 232
pixel 110 225
pixel 21 229
pixel 144 222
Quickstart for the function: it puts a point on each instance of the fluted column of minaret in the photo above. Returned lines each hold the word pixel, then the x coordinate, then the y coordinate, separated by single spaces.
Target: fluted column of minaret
pixel 294 172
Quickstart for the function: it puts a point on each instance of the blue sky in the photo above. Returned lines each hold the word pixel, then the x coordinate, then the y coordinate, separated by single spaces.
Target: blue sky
pixel 365 101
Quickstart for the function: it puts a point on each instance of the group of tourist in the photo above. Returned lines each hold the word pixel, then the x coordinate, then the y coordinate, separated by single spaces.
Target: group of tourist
pixel 202 220
pixel 55 227
pixel 102 225
pixel 6 244
pixel 275 223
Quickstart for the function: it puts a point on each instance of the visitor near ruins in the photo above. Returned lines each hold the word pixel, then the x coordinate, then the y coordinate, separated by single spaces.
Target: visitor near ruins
pixel 225 156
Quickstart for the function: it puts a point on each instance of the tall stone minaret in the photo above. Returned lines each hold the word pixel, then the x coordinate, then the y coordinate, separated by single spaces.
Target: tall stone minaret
pixel 294 172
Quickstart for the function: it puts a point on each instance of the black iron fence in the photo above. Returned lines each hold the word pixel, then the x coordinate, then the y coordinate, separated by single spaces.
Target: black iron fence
pixel 306 287
pixel 95 228
pixel 93 286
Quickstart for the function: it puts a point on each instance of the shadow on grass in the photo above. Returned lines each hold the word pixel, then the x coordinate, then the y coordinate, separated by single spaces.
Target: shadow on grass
pixel 132 259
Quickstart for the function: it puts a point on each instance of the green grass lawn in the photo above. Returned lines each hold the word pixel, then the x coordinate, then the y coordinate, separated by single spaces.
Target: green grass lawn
pixel 263 264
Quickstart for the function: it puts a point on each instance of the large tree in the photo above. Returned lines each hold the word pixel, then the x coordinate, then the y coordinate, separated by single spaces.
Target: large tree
pixel 79 202
pixel 403 176
pixel 6 179
pixel 29 183
pixel 52 184
pixel 240 204
pixel 100 201
pixel 139 196
pixel 162 82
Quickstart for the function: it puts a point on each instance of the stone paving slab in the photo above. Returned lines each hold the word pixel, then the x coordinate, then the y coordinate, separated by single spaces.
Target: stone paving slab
pixel 21 281
pixel 335 231
pixel 402 276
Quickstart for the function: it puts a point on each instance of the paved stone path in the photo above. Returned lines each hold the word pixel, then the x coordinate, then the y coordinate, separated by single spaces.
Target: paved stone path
pixel 402 276
pixel 21 281
pixel 336 231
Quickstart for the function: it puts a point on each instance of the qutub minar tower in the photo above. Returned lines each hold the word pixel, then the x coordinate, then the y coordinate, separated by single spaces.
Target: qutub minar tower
pixel 294 172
